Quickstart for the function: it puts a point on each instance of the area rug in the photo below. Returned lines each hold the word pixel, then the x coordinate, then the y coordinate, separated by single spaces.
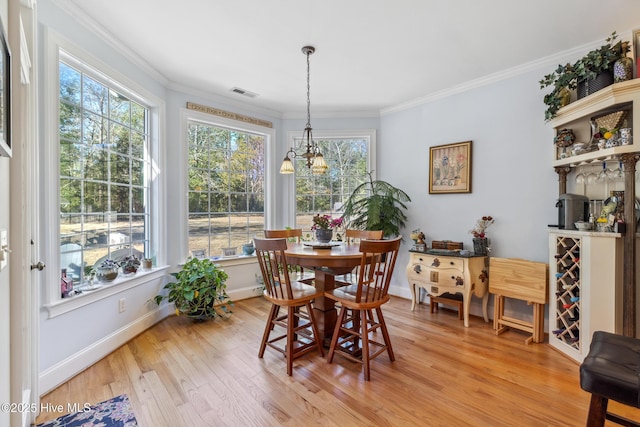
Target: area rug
pixel 115 412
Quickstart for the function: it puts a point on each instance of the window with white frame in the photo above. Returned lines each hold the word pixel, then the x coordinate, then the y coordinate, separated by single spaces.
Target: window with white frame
pixel 104 169
pixel 226 168
pixel 349 156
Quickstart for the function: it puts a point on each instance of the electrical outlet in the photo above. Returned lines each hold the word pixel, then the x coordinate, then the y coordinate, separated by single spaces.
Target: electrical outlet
pixel 121 305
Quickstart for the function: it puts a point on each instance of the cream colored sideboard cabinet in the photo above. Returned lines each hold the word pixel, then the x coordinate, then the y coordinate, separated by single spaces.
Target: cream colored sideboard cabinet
pixel 585 288
pixel 439 274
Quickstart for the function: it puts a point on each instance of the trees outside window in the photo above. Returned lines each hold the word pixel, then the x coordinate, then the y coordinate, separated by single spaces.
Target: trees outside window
pixel 104 169
pixel 226 170
pixel 348 159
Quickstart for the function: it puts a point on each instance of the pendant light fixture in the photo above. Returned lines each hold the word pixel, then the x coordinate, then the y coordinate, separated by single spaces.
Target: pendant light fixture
pixel 314 159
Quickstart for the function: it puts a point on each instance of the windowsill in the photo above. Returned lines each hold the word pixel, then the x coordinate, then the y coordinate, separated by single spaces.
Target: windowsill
pixel 234 260
pixel 121 284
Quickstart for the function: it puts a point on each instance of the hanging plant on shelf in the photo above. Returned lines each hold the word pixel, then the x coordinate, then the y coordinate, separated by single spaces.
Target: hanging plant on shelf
pixel 567 77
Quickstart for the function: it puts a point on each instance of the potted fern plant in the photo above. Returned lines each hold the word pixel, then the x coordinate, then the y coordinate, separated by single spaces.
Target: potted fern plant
pixel 376 205
pixel 199 290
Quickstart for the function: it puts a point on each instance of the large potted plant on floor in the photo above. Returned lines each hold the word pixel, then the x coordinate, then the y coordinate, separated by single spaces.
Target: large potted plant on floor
pixel 199 290
pixel 376 205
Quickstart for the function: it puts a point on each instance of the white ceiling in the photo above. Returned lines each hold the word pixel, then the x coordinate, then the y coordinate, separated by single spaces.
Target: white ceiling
pixel 372 55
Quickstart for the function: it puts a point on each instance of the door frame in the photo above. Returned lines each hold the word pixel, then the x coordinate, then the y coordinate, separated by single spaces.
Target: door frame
pixel 24 229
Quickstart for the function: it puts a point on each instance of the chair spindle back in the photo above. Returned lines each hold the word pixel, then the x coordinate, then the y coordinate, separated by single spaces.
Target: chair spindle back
pixel 273 265
pixel 376 267
pixel 286 233
pixel 351 235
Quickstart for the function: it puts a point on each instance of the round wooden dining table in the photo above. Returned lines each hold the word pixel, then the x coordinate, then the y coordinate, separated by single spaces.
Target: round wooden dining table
pixel 327 262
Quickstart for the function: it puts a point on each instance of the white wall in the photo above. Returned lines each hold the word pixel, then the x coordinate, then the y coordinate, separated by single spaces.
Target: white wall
pixel 512 177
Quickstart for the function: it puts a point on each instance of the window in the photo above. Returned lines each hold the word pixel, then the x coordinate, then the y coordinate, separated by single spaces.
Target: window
pixel 349 158
pixel 226 186
pixel 104 169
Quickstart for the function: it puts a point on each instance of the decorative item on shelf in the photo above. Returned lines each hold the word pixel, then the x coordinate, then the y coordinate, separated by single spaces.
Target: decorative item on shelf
pixel 564 138
pixel 312 155
pixel 199 290
pixel 248 248
pixel 565 97
pixel 417 236
pixel 147 263
pixel 602 225
pixel 592 72
pixel 107 270
pixel 592 85
pixel 66 284
pixel 199 253
pixel 323 226
pixel 625 136
pixel 446 245
pixel 611 121
pixel 623 67
pixel 418 240
pixel 617 197
pixel 229 251
pixel 584 225
pixel 130 264
pixel 579 148
pixel 480 242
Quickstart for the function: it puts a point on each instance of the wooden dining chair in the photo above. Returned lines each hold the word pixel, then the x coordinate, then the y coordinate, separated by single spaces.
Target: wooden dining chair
pixel 351 336
pixel 296 327
pixel 352 237
pixel 292 234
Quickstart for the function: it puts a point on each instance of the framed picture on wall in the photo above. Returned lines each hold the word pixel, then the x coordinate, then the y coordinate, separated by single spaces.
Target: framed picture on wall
pixel 5 95
pixel 450 168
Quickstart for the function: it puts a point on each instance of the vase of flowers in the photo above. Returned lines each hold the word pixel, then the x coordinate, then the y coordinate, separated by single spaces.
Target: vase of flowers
pixel 480 241
pixel 323 226
pixel 107 270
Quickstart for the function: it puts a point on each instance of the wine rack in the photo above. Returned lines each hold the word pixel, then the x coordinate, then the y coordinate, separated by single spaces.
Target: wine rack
pixel 567 291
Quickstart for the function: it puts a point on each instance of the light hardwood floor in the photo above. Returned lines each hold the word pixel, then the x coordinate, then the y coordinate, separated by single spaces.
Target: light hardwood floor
pixel 181 373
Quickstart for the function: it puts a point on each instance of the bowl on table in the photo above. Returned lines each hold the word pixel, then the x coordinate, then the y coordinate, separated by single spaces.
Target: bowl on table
pixel 583 226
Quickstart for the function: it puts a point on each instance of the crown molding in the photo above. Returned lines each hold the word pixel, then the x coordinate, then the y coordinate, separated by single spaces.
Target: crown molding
pixel 101 32
pixel 550 62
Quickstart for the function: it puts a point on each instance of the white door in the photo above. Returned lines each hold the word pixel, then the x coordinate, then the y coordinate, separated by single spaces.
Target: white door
pixel 24 208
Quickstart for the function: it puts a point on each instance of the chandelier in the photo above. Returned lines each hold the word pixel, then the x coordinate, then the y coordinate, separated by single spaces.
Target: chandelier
pixel 314 159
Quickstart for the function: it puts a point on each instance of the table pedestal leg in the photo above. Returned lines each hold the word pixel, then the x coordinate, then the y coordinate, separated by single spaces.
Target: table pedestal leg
pixel 324 308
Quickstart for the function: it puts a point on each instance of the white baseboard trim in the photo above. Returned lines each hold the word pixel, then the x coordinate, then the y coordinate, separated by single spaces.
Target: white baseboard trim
pixel 400 291
pixel 245 293
pixel 78 362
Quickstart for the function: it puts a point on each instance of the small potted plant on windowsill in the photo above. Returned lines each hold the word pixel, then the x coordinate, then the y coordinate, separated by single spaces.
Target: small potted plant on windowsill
pixel 597 64
pixel 130 264
pixel 199 290
pixel 107 270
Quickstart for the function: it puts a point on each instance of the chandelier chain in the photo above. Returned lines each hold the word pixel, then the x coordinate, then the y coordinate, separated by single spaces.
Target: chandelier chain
pixel 308 91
